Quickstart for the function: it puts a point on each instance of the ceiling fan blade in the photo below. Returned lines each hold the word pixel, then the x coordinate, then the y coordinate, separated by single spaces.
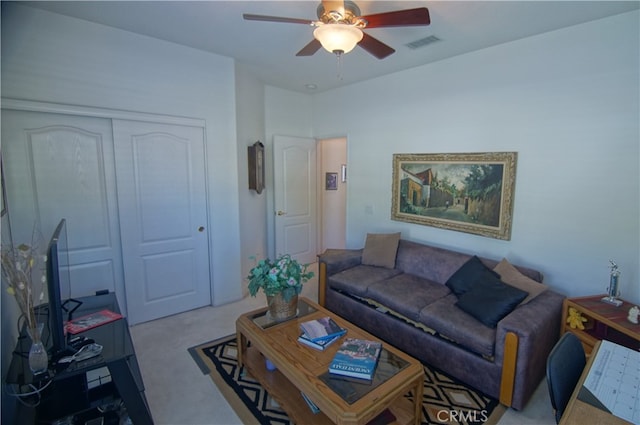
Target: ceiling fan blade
pixel 250 17
pixel 374 46
pixel 400 18
pixel 308 50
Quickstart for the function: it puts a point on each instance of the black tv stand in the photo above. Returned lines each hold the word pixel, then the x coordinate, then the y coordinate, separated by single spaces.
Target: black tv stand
pixel 67 392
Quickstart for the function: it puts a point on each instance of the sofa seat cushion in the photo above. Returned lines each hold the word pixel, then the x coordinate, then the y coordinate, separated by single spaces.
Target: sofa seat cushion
pixel 406 294
pixel 450 322
pixel 357 280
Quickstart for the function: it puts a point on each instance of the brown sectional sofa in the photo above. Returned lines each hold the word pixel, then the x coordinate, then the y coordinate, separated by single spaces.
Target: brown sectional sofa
pixel 408 304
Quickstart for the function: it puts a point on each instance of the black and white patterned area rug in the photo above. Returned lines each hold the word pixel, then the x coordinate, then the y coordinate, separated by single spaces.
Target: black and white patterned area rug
pixel 445 400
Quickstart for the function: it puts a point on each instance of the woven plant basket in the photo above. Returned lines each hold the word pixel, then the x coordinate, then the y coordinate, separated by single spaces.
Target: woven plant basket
pixel 280 309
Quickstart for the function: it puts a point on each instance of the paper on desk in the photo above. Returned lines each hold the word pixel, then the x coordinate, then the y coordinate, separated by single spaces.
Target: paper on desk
pixel 614 379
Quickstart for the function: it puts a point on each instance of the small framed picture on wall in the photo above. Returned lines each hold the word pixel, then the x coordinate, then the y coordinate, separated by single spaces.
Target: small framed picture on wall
pixel 331 181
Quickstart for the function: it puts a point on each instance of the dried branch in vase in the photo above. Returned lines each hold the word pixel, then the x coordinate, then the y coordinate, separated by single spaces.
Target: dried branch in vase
pixel 23 273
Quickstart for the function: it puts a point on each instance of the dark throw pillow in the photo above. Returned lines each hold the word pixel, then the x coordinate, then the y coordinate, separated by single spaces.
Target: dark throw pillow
pixel 468 275
pixel 380 249
pixel 490 300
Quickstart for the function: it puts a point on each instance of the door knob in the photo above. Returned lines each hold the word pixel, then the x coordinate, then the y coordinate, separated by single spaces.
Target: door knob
pixel 281 213
pixel 201 229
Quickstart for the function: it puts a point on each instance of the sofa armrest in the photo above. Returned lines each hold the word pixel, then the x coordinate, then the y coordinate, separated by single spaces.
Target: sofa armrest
pixel 536 327
pixel 337 260
pixel 333 261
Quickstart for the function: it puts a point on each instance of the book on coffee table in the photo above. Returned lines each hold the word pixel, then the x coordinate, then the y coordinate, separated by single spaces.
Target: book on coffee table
pixel 356 358
pixel 320 329
pixel 318 345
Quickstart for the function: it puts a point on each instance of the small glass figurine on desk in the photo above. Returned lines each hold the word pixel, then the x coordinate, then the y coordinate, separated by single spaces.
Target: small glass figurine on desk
pixel 613 291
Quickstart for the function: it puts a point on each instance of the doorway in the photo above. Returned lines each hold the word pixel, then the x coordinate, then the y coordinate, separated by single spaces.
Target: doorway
pixel 309 217
pixel 333 201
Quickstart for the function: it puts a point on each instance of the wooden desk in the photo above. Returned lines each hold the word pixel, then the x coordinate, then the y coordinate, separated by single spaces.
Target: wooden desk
pixel 579 413
pixel 604 321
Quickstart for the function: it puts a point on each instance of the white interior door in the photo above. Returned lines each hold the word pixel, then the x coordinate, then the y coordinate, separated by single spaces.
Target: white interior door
pixel 62 166
pixel 162 205
pixel 295 197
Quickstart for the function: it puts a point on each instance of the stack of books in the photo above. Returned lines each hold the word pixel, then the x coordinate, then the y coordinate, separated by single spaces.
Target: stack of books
pixel 356 358
pixel 320 333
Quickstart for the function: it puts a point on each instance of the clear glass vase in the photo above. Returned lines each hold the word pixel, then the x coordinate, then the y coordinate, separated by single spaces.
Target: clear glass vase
pixel 38 358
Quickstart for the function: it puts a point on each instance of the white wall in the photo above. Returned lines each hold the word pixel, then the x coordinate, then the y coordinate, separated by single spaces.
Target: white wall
pixel 53 58
pixel 253 206
pixel 566 101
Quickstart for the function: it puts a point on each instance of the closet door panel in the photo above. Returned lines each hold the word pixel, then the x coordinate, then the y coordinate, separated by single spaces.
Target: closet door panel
pixel 61 166
pixel 68 177
pixel 161 193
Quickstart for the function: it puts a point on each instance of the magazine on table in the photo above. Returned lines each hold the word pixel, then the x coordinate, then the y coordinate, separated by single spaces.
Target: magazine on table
pixel 315 409
pixel 90 321
pixel 323 328
pixel 356 358
pixel 318 345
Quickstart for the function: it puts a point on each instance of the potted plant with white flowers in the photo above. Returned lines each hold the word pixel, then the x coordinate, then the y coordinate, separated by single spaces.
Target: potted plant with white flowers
pixel 281 280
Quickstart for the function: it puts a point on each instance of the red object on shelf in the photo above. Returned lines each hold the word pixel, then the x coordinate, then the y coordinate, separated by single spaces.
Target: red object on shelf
pixel 90 321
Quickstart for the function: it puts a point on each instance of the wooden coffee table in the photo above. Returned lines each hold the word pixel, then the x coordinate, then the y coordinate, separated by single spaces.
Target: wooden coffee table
pixel 304 369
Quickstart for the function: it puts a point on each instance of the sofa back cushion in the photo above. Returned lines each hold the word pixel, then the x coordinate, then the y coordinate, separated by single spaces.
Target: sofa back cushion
pixel 432 263
pixel 439 264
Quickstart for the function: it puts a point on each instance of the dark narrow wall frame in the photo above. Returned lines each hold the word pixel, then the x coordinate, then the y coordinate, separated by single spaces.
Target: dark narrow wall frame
pixel 256 167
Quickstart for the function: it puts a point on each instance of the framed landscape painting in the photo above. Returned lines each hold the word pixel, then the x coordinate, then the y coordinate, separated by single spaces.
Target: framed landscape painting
pixel 466 192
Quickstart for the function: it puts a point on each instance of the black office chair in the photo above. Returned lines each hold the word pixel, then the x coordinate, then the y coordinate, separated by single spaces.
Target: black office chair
pixel 564 367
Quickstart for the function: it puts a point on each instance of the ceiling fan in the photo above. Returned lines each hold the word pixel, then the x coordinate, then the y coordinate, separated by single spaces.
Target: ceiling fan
pixel 339 27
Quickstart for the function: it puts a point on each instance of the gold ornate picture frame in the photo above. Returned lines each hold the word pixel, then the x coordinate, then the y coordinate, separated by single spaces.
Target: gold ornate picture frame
pixel 465 192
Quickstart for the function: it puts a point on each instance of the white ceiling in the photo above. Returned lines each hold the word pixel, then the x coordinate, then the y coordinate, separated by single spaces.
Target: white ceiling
pixel 269 48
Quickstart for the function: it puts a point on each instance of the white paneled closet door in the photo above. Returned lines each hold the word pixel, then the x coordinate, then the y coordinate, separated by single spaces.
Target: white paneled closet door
pixel 133 194
pixel 62 166
pixel 162 207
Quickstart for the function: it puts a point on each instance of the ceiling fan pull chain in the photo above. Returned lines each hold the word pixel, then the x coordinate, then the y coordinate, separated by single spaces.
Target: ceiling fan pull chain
pixel 339 65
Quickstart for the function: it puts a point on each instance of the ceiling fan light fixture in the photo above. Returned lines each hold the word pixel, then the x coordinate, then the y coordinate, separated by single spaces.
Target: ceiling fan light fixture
pixel 338 38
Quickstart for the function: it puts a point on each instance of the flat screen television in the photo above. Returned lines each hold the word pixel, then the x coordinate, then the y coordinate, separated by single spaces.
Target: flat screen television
pixel 58 283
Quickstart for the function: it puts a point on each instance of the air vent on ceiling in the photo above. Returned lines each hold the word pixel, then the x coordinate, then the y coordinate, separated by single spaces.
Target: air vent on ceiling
pixel 422 42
